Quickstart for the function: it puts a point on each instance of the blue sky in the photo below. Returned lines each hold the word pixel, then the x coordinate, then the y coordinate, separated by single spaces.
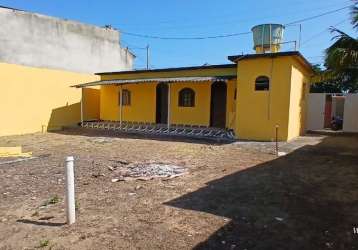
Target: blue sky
pixel 199 18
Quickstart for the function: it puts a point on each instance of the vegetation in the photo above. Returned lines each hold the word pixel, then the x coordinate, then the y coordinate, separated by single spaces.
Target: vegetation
pixel 43 243
pixel 77 205
pixel 341 61
pixel 53 200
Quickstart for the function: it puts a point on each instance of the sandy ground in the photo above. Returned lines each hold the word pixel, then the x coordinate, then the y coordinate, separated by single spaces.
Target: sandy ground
pixel 235 196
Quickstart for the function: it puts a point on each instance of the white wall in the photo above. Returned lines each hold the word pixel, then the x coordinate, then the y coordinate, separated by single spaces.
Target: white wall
pixel 338 106
pixel 350 122
pixel 315 111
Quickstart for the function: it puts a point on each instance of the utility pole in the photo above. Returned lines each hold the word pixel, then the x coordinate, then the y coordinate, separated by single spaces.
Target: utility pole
pixel 300 37
pixel 147 56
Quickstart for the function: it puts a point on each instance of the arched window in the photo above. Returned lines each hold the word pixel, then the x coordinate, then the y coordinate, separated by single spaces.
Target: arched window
pixel 126 95
pixel 262 83
pixel 186 98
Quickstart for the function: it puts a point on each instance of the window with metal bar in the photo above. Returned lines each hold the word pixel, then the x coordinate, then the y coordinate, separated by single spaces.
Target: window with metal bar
pixel 262 83
pixel 186 98
pixel 126 95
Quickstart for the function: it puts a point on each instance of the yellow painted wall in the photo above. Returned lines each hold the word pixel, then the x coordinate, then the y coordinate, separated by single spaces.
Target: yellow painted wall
pixel 143 103
pixel 32 99
pixel 258 112
pixel 231 104
pixel 300 79
pixel 197 115
pixel 109 109
pixel 142 108
pixel 91 103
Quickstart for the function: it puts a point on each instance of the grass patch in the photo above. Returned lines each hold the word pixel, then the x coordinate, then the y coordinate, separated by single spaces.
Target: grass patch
pixel 43 243
pixel 53 200
pixel 77 205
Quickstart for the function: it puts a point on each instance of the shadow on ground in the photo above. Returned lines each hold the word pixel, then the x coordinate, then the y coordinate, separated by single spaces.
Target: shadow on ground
pixel 305 200
pixel 41 223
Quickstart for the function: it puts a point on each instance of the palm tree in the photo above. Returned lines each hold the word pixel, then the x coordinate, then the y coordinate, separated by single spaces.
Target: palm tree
pixel 342 56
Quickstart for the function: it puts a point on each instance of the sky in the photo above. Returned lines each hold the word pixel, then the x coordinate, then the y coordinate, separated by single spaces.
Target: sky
pixel 189 18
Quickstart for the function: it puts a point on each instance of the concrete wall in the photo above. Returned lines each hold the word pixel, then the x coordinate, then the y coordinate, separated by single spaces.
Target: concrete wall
pixel 338 106
pixel 35 99
pixel 41 41
pixel 350 123
pixel 315 111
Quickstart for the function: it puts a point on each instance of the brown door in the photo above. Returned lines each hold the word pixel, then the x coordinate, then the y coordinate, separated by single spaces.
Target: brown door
pixel 162 104
pixel 218 105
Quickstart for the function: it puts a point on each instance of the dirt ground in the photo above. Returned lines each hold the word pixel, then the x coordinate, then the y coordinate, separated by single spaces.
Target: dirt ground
pixel 235 196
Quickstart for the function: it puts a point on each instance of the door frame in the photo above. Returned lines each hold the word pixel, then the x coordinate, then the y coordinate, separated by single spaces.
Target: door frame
pixel 160 100
pixel 214 85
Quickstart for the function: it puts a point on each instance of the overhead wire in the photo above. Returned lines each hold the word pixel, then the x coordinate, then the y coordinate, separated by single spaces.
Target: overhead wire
pixel 322 32
pixel 228 35
pixel 223 18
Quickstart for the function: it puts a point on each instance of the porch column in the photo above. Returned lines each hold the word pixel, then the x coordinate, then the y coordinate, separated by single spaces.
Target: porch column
pixel 82 107
pixel 169 106
pixel 120 106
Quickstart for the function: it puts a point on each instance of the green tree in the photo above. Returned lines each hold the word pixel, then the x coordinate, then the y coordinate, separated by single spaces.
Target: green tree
pixel 342 60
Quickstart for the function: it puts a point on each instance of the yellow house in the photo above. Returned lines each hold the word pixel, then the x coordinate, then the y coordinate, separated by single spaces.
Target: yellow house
pixel 249 98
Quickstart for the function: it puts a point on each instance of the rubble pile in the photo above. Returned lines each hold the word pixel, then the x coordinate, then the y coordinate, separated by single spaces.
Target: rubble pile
pixel 147 171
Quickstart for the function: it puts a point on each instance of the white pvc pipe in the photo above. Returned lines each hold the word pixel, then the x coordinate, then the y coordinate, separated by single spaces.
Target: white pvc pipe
pixel 70 191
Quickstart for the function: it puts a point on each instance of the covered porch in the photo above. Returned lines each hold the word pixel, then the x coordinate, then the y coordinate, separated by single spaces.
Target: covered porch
pixel 201 107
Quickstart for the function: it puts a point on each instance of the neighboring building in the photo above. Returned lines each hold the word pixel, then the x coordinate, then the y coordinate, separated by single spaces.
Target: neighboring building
pixel 40 57
pixel 251 96
pixel 332 111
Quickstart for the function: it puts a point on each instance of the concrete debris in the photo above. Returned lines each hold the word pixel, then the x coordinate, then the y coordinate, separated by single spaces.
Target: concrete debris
pixel 138 187
pixel 47 218
pixel 102 140
pixel 98 175
pixel 279 219
pixel 147 171
pixel 121 162
pixel 117 179
pixel 281 153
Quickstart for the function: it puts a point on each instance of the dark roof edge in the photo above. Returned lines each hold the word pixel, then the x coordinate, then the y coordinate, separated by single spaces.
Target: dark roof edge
pixel 10 8
pixel 219 66
pixel 237 58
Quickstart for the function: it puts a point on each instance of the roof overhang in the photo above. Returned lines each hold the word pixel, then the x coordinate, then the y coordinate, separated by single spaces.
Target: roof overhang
pixel 155 80
pixel 218 66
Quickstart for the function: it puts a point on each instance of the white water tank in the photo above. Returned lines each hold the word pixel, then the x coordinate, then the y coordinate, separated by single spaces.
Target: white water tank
pixel 268 37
